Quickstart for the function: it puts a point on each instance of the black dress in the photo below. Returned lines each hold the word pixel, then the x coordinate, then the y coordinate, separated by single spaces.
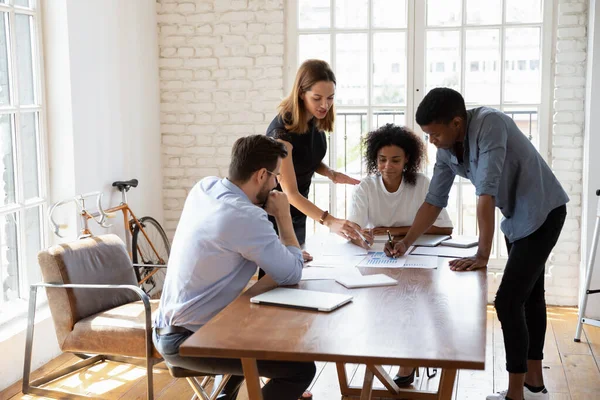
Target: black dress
pixel 307 154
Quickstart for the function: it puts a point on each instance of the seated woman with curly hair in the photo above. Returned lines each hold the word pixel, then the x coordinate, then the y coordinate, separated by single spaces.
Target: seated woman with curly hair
pixel 389 198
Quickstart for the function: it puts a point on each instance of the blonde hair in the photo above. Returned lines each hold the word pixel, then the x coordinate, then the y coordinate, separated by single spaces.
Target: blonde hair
pixel 292 109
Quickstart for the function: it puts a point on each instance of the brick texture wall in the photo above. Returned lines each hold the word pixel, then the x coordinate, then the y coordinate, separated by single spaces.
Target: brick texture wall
pixel 567 144
pixel 221 70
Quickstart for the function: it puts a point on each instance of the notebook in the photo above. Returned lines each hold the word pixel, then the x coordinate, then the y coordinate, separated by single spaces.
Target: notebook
pixel 300 298
pixel 461 241
pixel 352 282
pixel 430 240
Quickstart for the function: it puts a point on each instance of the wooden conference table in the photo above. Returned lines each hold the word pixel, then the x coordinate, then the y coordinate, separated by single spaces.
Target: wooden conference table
pixel 432 318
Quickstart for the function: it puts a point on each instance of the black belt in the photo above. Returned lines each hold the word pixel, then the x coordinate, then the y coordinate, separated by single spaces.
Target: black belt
pixel 167 330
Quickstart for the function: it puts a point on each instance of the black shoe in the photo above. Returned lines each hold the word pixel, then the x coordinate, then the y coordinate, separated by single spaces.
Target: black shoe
pixel 407 380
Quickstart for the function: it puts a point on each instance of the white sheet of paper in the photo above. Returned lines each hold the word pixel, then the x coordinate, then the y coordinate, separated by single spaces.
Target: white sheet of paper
pixel 334 261
pixel 332 245
pixel 430 262
pixel 316 273
pixel 444 251
pixel 380 260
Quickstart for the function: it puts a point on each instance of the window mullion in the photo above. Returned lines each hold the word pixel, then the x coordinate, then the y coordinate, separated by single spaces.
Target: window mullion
pixel 333 136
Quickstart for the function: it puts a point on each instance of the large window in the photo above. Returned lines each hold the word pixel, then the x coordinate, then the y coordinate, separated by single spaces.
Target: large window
pixel 22 161
pixel 387 54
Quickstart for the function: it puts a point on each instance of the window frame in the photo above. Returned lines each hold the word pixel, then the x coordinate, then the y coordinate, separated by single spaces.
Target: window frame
pixel 416 29
pixel 21 205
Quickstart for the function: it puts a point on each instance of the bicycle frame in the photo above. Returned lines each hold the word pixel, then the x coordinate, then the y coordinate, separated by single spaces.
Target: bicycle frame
pixel 100 217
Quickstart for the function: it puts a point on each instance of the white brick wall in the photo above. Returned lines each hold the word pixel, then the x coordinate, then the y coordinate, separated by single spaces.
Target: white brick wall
pixel 221 70
pixel 567 145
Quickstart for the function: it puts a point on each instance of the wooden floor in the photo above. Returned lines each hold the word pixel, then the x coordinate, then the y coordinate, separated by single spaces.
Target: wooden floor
pixel 571 370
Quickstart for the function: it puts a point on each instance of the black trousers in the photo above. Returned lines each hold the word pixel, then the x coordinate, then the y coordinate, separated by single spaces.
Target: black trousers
pixel 288 380
pixel 520 302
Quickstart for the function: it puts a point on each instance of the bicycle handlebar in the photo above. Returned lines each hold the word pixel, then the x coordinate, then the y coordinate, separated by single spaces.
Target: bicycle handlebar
pixel 79 201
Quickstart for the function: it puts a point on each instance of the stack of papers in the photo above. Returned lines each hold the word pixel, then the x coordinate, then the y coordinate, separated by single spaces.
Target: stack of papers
pixel 334 261
pixel 316 273
pixel 444 251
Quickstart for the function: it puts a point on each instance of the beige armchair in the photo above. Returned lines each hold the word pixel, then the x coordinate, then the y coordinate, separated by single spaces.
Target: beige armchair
pixel 99 314
pixel 97 308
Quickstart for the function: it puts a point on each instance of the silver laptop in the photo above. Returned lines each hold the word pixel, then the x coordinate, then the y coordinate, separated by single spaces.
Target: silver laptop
pixel 305 299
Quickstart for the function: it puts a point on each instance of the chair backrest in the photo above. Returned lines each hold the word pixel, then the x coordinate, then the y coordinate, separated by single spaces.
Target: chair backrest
pixel 95 260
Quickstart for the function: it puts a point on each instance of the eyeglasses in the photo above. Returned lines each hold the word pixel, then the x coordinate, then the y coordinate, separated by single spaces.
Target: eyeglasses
pixel 277 175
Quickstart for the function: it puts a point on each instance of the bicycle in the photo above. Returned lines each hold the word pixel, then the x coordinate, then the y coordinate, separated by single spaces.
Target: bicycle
pixel 147 242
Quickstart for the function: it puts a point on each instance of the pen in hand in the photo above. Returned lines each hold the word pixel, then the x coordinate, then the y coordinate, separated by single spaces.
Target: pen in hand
pixel 390 241
pixel 363 238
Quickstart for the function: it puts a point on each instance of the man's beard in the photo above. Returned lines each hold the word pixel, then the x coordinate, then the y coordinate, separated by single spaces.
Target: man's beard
pixel 263 195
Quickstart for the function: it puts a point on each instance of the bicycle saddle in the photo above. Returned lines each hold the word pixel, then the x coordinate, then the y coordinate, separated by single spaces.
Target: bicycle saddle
pixel 125 185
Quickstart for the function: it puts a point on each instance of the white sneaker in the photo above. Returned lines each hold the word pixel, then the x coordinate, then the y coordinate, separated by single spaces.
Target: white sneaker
pixel 527 395
pixel 497 396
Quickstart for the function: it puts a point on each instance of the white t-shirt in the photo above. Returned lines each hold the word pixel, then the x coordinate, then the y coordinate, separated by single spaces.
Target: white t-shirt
pixel 373 206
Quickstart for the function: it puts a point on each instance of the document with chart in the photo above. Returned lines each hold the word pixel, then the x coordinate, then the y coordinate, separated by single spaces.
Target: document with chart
pixel 378 259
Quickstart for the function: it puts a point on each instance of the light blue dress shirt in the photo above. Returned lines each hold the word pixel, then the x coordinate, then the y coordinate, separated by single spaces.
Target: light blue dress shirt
pixel 220 240
pixel 501 162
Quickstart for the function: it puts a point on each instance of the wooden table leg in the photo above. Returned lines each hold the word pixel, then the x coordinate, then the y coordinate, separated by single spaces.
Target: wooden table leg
pixel 252 378
pixel 367 385
pixel 383 376
pixel 446 384
pixel 342 378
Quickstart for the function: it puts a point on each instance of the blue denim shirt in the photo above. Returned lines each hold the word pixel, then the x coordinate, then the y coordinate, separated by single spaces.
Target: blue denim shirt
pixel 501 162
pixel 220 240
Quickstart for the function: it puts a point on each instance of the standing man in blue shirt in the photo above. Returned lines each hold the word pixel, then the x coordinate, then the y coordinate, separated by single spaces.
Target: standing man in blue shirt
pixel 485 146
pixel 223 234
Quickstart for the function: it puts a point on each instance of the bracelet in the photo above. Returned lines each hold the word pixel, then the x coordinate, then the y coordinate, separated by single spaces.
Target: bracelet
pixel 322 219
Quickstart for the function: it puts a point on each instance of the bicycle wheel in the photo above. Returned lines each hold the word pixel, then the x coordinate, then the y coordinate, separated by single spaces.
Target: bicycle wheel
pixel 153 252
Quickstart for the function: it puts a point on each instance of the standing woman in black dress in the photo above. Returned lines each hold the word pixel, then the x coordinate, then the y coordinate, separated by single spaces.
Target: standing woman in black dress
pixel 304 117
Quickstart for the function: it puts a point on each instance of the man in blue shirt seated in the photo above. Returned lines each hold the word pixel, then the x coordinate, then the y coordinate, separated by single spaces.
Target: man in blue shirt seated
pixel 485 146
pixel 223 234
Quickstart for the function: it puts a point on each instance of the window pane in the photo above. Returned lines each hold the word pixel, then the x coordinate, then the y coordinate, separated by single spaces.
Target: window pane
pixel 313 14
pixel 9 272
pixel 33 244
pixel 469 209
pixel 29 152
pixel 522 74
pixel 389 68
pixel 482 69
pixel 314 46
pixel 381 118
pixel 23 24
pixel 4 73
pixel 351 69
pixel 484 12
pixel 351 13
pixel 526 119
pixel 523 10
pixel 7 185
pixel 444 12
pixel 389 13
pixel 442 60
pixel 22 3
pixel 350 129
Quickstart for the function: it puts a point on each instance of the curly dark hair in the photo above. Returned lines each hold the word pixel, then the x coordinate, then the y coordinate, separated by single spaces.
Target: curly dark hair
pixel 401 136
pixel 441 105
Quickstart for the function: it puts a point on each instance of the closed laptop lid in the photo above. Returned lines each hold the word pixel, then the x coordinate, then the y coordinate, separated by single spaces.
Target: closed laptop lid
pixel 300 298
